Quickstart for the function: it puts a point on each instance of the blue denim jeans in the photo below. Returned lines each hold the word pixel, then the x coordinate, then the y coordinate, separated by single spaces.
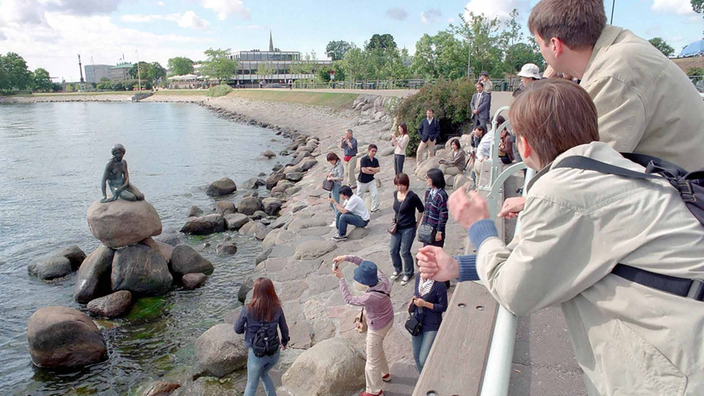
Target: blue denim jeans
pixel 401 243
pixel 398 163
pixel 421 347
pixel 335 194
pixel 258 368
pixel 348 218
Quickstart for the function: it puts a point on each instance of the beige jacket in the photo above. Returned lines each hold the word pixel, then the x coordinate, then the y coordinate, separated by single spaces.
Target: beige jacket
pixel 646 104
pixel 577 225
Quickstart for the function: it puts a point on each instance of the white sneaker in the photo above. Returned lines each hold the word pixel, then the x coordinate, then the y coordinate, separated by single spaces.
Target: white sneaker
pixel 333 224
pixel 394 276
pixel 405 280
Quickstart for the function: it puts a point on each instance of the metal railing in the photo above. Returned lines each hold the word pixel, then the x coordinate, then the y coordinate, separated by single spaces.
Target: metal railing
pixel 499 85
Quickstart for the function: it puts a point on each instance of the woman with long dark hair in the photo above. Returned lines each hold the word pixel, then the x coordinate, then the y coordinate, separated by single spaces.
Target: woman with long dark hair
pixel 400 141
pixel 336 175
pixel 258 320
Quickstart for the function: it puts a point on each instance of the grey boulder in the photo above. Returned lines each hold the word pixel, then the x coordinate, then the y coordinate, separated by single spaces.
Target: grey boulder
pixel 249 205
pixel 112 305
pixel 203 225
pixel 185 260
pixel 235 221
pixel 220 351
pixel 93 278
pixel 141 270
pixel 193 281
pixel 221 187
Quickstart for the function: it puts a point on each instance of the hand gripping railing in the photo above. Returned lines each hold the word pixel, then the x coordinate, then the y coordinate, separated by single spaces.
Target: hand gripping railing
pixel 498 365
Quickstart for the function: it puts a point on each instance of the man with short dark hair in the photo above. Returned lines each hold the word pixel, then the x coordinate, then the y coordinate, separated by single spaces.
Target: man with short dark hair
pixel 488 85
pixel 481 106
pixel 368 167
pixel 646 104
pixel 352 211
pixel 429 132
pixel 349 144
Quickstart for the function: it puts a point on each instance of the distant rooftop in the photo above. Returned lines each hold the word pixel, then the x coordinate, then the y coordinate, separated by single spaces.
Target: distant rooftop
pixel 123 66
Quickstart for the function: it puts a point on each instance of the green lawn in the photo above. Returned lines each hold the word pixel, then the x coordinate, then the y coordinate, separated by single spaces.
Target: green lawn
pixel 329 99
pixel 182 92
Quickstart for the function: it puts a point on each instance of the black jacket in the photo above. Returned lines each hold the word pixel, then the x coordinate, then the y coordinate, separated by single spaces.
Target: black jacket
pixel 431 318
pixel 429 131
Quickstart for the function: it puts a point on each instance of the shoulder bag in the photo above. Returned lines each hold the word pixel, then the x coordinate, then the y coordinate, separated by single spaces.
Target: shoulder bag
pixel 360 322
pixel 328 185
pixel 413 324
pixel 426 232
pixel 394 223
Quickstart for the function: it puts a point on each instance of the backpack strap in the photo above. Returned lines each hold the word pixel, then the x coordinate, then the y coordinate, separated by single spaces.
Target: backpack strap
pixel 586 163
pixel 382 292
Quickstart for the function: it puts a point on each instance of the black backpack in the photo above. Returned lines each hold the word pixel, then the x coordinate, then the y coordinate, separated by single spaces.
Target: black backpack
pixel 689 184
pixel 266 340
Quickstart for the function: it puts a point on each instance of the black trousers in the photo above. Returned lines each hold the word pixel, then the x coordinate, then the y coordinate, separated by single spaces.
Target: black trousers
pixel 398 163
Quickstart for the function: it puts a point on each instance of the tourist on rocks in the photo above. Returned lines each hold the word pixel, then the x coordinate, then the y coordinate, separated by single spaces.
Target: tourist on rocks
pixel 621 255
pixel 368 167
pixel 428 132
pixel 349 144
pixel 430 299
pixel 352 211
pixel 336 175
pixel 400 141
pixel 378 312
pixel 259 318
pixel 436 205
pixel 406 205
pixel 457 163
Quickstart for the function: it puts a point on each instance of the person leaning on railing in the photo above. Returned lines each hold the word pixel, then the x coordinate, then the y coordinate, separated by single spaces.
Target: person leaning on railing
pixel 577 227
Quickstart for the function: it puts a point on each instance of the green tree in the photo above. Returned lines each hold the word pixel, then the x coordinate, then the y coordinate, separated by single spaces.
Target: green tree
pixel 336 50
pixel 442 55
pixel 219 64
pixel 661 45
pixel 42 82
pixel 140 70
pixel 301 68
pixel 180 66
pixel 483 34
pixel 156 72
pixel 323 73
pixel 521 53
pixel 265 70
pixel 381 41
pixel 696 73
pixel 18 75
pixel 4 80
pixel 698 6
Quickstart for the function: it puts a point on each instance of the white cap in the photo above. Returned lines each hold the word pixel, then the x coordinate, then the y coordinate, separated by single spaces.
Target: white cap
pixel 530 70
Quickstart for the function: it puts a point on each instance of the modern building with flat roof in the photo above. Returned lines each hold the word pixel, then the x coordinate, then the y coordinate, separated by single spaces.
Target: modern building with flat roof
pixel 120 72
pixel 282 64
pixel 94 73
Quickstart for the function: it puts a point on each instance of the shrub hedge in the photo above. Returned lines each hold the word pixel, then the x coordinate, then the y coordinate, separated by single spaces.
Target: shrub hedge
pixel 449 98
pixel 219 90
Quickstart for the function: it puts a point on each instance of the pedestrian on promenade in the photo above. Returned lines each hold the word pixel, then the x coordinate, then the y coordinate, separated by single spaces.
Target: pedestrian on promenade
pixel 458 161
pixel 408 211
pixel 349 144
pixel 481 106
pixel 428 132
pixel 261 317
pixel 352 211
pixel 378 313
pixel 368 167
pixel 622 256
pixel 429 302
pixel 646 103
pixel 400 141
pixel 336 175
pixel 488 85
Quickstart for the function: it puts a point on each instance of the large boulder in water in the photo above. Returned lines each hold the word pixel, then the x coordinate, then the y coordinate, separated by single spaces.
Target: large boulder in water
pixel 203 225
pixel 223 186
pixel 332 367
pixel 74 254
pixel 235 221
pixel 220 351
pixel 249 205
pixel 141 270
pixel 94 275
pixel 112 305
pixel 185 260
pixel 51 267
pixel 64 337
pixel 122 223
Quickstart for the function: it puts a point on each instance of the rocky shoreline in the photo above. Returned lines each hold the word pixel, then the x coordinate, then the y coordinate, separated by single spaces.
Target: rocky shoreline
pixel 297 251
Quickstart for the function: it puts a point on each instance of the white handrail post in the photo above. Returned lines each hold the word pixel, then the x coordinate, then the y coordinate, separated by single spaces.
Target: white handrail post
pixel 498 365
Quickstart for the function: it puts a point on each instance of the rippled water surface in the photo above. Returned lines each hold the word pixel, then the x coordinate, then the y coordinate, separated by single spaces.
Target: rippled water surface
pixel 51 160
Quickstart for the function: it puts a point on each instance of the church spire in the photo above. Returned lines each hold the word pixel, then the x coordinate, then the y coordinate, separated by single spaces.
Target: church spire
pixel 271 42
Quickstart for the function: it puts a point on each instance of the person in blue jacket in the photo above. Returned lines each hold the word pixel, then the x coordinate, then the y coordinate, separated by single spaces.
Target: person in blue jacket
pixel 429 302
pixel 265 307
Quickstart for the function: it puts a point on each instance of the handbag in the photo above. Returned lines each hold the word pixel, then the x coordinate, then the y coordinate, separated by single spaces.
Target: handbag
pixel 426 232
pixel 328 185
pixel 413 325
pixel 394 225
pixel 360 322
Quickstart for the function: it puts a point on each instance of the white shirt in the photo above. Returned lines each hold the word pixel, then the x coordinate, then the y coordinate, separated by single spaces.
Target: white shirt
pixel 355 205
pixel 401 143
pixel 483 150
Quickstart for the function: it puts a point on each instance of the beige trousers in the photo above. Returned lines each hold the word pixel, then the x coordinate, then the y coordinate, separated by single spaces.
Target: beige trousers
pixel 350 168
pixel 376 366
pixel 430 145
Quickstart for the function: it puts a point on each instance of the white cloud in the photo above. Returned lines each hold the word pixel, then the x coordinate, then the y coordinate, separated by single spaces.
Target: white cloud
pixel 226 7
pixel 188 19
pixel 431 16
pixel 497 8
pixel 450 20
pixel 397 13
pixel 160 3
pixel 82 7
pixel 681 7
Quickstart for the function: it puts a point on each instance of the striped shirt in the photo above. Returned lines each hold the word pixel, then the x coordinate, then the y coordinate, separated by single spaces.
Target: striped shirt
pixel 436 209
